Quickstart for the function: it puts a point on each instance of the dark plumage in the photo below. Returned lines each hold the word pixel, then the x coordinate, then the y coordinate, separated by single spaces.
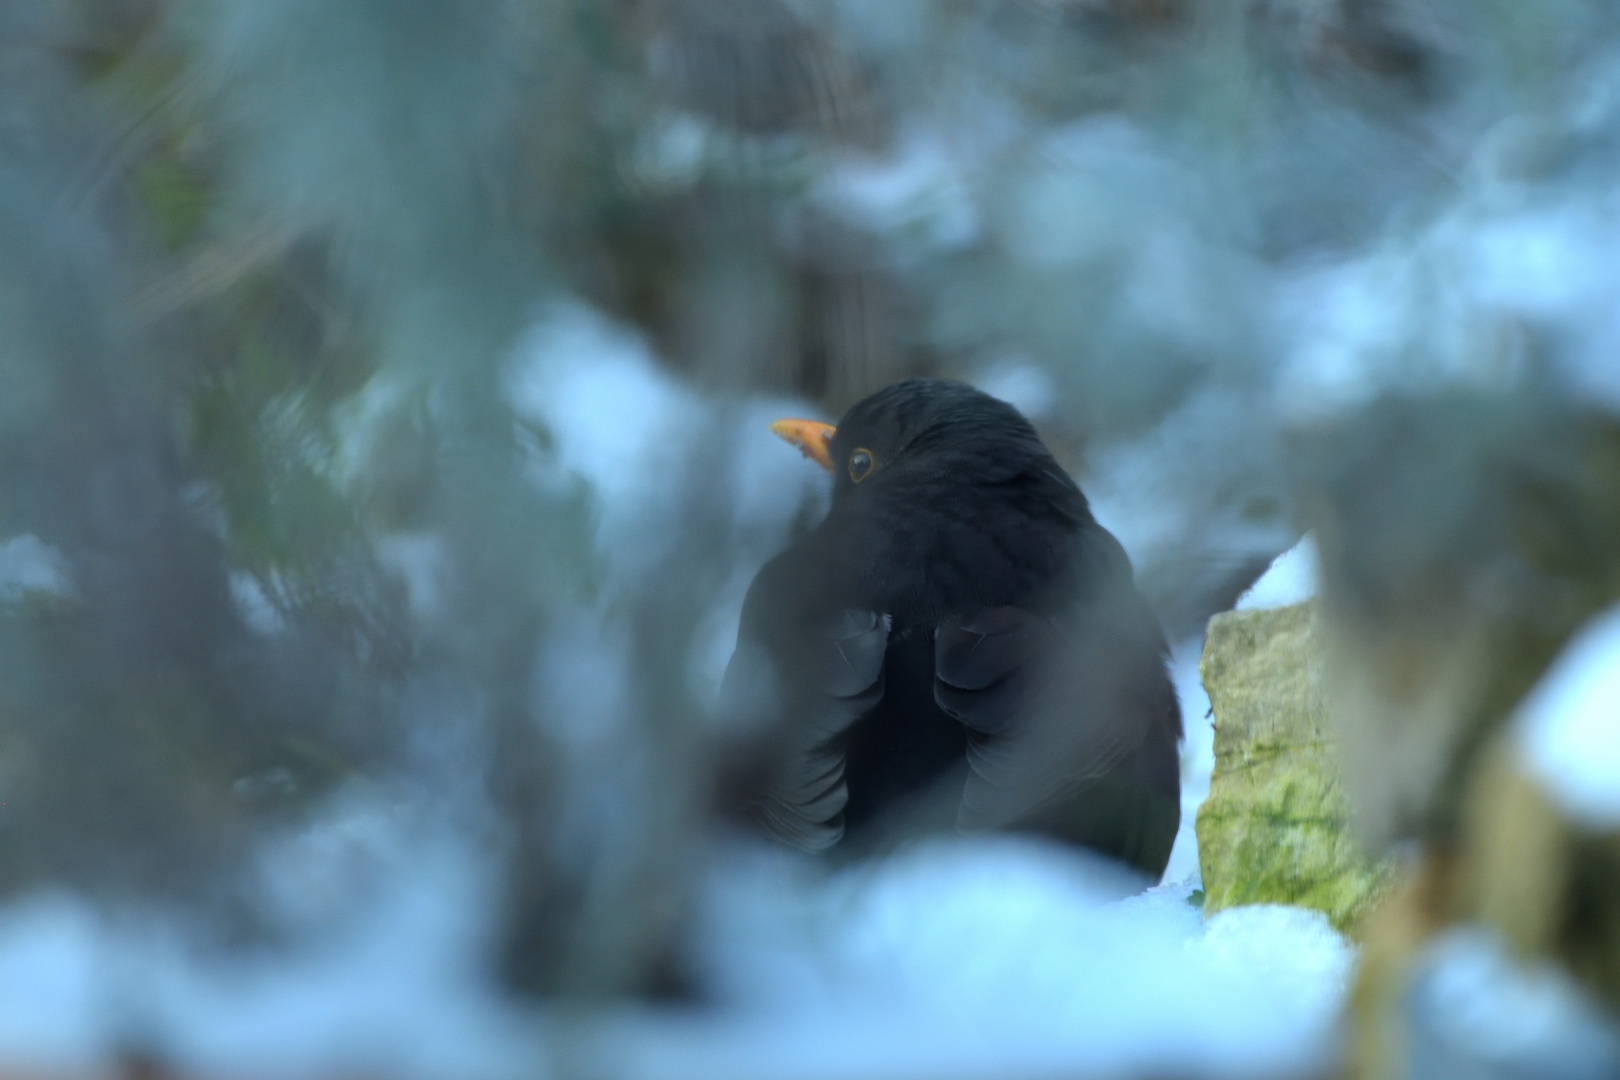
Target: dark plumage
pixel 959 640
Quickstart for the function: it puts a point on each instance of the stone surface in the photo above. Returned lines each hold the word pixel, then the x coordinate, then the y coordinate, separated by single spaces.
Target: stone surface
pixel 1275 827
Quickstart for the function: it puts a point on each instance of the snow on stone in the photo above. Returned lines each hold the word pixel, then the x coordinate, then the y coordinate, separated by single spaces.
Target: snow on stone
pixel 1568 726
pixel 1291 579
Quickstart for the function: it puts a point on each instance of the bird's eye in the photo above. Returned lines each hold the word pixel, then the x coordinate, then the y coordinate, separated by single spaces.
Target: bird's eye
pixel 860 464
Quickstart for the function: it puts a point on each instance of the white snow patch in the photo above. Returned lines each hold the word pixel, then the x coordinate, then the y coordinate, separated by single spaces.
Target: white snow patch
pixel 254 606
pixel 28 564
pixel 1023 385
pixel 1291 579
pixel 1197 759
pixel 1475 1012
pixel 1569 728
pixel 419 560
pixel 1168 495
pixel 385 974
pixel 994 957
pixel 633 432
pixel 1514 278
pixel 674 150
pixel 1293 951
pixel 612 414
pixel 919 191
pixel 49 983
pixel 987 957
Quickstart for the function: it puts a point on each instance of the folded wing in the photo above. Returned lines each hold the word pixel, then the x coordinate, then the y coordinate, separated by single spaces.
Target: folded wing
pixel 1074 719
pixel 803 677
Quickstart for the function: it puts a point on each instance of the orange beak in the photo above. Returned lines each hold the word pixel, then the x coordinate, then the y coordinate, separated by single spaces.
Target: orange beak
pixel 812 437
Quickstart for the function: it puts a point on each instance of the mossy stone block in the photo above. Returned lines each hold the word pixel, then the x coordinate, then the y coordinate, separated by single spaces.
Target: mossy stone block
pixel 1275 827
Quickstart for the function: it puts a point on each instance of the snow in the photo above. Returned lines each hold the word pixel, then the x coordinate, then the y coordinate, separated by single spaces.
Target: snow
pixel 1476 1012
pixel 419 562
pixel 48 982
pixel 1025 386
pixel 385 980
pixel 1566 727
pixel 1193 499
pixel 982 957
pixel 992 957
pixel 29 565
pixel 1290 579
pixel 255 607
pixel 917 192
pixel 630 429
pixel 1197 758
pixel 1475 297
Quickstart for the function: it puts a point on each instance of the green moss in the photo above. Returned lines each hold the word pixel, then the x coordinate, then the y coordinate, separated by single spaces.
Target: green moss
pixel 1275 827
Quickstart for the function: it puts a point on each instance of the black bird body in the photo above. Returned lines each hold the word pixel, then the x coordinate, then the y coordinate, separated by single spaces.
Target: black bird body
pixel 958 634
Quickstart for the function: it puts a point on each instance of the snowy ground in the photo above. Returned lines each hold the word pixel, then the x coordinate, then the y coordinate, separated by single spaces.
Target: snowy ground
pixel 990 958
pixel 997 957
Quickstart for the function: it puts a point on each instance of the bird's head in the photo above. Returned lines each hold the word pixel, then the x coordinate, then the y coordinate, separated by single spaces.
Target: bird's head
pixel 943 499
pixel 918 428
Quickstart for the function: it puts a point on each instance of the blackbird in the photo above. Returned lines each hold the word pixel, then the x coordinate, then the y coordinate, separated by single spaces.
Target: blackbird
pixel 958 641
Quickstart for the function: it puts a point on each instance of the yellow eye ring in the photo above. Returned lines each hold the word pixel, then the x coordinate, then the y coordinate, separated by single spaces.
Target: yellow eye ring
pixel 861 462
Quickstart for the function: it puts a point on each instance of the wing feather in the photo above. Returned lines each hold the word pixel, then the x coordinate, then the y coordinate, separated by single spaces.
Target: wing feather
pixel 1060 703
pixel 805 679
